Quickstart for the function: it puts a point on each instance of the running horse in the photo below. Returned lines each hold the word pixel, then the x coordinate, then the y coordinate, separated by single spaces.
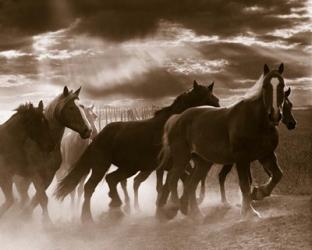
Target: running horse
pixel 28 122
pixel 288 120
pixel 131 146
pixel 72 147
pixel 63 111
pixel 240 134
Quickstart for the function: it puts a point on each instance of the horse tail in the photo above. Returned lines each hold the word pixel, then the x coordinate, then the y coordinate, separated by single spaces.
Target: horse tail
pixel 80 169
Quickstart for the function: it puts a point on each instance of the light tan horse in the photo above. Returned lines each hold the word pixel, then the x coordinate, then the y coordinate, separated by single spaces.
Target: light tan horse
pixel 240 133
pixel 72 147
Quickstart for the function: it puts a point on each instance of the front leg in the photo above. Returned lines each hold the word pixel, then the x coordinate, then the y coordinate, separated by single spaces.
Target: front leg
pixel 271 166
pixel 243 170
pixel 159 183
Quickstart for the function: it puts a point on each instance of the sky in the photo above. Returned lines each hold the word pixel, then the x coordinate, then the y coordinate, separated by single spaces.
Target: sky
pixel 147 52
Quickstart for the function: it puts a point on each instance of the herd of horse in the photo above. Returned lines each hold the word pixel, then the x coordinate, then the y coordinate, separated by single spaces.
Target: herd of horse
pixel 185 139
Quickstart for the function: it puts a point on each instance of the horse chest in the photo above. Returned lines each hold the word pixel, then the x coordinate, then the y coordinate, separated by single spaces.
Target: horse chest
pixel 252 147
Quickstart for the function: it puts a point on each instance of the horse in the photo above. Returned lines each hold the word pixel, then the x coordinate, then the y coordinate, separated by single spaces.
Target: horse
pixel 72 147
pixel 288 120
pixel 61 112
pixel 28 122
pixel 131 146
pixel 240 133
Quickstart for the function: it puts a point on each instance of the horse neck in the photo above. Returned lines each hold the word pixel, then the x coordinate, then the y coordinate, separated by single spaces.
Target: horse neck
pixel 14 127
pixel 56 127
pixel 256 113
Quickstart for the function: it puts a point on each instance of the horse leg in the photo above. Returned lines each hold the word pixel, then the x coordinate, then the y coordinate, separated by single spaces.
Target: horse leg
pixel 112 180
pixel 271 166
pixel 123 184
pixel 142 176
pixel 41 184
pixel 159 183
pixel 80 189
pixel 6 184
pixel 72 198
pixel 222 176
pixel 96 176
pixel 180 162
pixel 243 170
pixel 201 169
pixel 22 185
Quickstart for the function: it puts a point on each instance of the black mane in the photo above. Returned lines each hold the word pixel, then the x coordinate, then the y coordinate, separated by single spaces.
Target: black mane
pixel 25 108
pixel 178 101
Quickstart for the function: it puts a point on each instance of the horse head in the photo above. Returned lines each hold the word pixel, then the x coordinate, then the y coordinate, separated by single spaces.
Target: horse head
pixel 91 117
pixel 36 125
pixel 273 93
pixel 288 118
pixel 71 115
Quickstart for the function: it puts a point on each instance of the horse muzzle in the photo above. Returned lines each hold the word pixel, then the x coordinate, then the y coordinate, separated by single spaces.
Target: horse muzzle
pixel 275 117
pixel 86 133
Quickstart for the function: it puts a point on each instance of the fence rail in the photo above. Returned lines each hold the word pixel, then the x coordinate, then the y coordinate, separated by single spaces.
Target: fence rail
pixel 107 114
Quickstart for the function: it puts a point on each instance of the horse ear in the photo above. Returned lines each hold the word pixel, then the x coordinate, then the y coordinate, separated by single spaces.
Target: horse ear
pixel 287 92
pixel 195 84
pixel 281 68
pixel 65 91
pixel 210 87
pixel 40 106
pixel 266 69
pixel 92 107
pixel 77 91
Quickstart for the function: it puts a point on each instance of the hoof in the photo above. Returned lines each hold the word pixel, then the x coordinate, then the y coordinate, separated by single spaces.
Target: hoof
pixel 116 214
pixel 171 211
pixel 251 214
pixel 197 217
pixel 127 209
pixel 167 213
pixel 257 194
pixel 161 215
pixel 184 206
pixel 87 219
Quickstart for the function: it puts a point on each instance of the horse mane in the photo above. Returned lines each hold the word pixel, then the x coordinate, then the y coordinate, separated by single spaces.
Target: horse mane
pixel 21 109
pixel 174 105
pixel 256 89
pixel 58 103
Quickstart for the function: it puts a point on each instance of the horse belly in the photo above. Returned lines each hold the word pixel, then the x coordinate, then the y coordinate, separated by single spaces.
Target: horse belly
pixel 213 145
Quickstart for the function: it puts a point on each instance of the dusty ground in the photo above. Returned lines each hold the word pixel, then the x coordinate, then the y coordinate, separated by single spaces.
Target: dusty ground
pixel 286 224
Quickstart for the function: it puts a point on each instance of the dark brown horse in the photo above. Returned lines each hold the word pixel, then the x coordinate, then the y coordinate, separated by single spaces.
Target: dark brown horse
pixel 289 121
pixel 63 111
pixel 131 146
pixel 27 123
pixel 240 133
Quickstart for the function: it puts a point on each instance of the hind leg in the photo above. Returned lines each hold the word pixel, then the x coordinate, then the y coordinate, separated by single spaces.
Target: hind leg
pixel 96 176
pixel 6 184
pixel 159 183
pixel 72 197
pixel 142 176
pixel 180 158
pixel 112 180
pixel 123 184
pixel 222 176
pixel 22 185
pixel 271 166
pixel 201 169
pixel 80 189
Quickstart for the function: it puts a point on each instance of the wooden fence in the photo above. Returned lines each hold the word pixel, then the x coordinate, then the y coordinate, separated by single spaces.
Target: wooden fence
pixel 107 114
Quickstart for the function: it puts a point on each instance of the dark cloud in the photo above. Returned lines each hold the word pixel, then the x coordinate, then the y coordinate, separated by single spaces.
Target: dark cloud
pixel 121 20
pixel 155 84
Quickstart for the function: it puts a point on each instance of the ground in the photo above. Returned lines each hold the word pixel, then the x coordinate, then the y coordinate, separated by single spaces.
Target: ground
pixel 286 224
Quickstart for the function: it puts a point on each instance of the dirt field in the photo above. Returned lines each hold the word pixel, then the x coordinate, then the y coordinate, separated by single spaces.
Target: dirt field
pixel 286 224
